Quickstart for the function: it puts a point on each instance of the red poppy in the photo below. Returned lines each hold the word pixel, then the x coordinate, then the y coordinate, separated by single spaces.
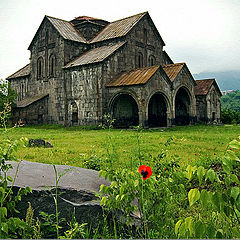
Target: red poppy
pixel 214 153
pixel 145 171
pixel 195 154
pixel 165 169
pixel 230 148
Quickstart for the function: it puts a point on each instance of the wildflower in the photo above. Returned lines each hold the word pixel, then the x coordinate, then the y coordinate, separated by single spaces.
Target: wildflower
pixel 214 153
pixel 230 148
pixel 195 154
pixel 165 169
pixel 145 171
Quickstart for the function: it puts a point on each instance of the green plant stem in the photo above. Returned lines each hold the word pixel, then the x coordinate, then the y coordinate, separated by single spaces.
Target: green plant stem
pixel 12 183
pixel 55 199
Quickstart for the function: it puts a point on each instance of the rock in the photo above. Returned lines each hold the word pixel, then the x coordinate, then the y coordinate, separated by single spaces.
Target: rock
pixel 48 144
pixel 36 143
pixel 76 191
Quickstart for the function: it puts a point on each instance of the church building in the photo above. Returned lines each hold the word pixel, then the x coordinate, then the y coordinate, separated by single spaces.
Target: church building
pixel 81 69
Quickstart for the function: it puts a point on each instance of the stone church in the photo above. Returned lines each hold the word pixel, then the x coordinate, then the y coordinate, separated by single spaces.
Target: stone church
pixel 81 69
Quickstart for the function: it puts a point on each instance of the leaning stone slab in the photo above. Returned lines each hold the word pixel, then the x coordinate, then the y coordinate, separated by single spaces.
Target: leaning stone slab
pixel 76 188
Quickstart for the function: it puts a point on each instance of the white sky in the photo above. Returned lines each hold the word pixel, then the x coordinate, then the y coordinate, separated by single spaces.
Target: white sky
pixel 203 33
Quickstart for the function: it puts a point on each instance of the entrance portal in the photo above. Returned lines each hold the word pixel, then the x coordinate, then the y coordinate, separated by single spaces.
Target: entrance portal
pixel 182 107
pixel 157 111
pixel 125 111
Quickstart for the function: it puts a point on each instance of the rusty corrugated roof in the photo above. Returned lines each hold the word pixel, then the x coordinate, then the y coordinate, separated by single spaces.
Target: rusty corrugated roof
pixel 95 55
pixel 172 70
pixel 28 101
pixel 118 28
pixel 66 30
pixel 134 77
pixel 25 71
pixel 203 86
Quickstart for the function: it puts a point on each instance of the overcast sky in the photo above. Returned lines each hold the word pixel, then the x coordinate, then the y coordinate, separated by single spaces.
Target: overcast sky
pixel 203 33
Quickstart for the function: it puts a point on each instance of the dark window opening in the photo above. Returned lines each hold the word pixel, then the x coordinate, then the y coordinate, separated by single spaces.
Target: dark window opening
pixel 139 60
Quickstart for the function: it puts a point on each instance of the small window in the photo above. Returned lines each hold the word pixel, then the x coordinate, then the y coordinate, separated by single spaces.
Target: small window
pixel 139 60
pixel 40 68
pixel 52 64
pixel 151 60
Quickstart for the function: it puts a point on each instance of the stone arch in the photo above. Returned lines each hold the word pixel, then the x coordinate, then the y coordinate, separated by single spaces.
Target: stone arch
pixel 74 112
pixel 183 102
pixel 139 60
pixel 40 65
pixel 158 109
pixel 151 60
pixel 52 65
pixel 124 109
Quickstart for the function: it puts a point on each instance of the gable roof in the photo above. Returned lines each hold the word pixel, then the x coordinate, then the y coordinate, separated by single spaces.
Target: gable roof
pixel 134 77
pixel 118 28
pixel 203 86
pixel 25 71
pixel 95 55
pixel 172 70
pixel 64 28
pixel 28 101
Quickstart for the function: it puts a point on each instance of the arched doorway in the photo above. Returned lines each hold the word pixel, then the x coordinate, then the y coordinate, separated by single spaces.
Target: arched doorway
pixel 125 111
pixel 74 113
pixel 182 107
pixel 157 111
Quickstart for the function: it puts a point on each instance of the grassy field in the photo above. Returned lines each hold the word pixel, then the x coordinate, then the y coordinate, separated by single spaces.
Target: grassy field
pixel 74 145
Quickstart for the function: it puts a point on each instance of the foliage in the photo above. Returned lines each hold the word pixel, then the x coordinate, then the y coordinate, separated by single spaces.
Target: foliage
pixel 7 100
pixel 216 191
pixel 230 116
pixel 231 101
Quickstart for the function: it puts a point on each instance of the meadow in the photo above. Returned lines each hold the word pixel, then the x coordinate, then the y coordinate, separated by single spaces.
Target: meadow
pixel 75 145
pixel 184 181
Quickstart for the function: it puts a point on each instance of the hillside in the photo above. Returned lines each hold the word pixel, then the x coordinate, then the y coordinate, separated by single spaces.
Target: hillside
pixel 228 80
pixel 231 100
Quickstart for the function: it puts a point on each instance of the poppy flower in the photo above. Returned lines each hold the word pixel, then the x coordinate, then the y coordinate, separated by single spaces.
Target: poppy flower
pixel 214 153
pixel 145 171
pixel 230 148
pixel 165 169
pixel 195 154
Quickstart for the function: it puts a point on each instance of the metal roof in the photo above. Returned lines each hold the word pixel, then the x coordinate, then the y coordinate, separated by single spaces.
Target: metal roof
pixel 25 71
pixel 203 86
pixel 118 28
pixel 66 30
pixel 95 55
pixel 172 70
pixel 28 101
pixel 134 77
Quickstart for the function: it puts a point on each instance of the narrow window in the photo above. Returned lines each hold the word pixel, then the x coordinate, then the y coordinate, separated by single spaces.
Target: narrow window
pixel 52 66
pixel 139 60
pixel 151 61
pixel 40 68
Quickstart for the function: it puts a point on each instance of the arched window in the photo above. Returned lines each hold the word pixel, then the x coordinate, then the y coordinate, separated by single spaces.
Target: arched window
pixel 52 64
pixel 139 60
pixel 151 60
pixel 40 68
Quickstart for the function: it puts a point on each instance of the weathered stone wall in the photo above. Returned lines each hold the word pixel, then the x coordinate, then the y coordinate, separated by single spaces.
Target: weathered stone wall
pixel 21 86
pixel 84 88
pixel 213 105
pixel 36 113
pixel 201 109
pixel 48 43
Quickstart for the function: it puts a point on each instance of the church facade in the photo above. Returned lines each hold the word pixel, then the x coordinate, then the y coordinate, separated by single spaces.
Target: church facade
pixel 81 69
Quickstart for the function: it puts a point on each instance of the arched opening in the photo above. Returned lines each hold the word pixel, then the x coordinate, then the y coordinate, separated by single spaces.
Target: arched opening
pixel 52 66
pixel 74 113
pixel 40 68
pixel 182 108
pixel 125 111
pixel 151 61
pixel 139 60
pixel 157 111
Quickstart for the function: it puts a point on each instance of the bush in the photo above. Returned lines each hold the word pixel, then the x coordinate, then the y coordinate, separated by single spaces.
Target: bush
pixel 230 116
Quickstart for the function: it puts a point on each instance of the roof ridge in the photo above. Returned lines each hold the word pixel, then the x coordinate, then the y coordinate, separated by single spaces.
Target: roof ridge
pixel 143 13
pixel 173 64
pixel 56 18
pixel 18 71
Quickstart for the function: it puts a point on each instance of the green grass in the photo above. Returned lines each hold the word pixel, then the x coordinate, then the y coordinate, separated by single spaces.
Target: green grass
pixel 73 145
